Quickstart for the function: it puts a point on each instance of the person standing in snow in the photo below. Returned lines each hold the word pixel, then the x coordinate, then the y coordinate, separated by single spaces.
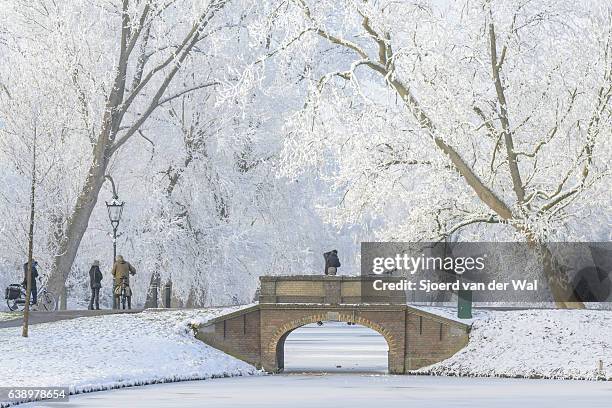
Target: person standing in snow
pixel 34 291
pixel 95 283
pixel 122 269
pixel 332 263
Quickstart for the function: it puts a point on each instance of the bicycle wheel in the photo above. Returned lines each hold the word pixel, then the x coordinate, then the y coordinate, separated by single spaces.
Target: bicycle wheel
pixel 14 305
pixel 46 302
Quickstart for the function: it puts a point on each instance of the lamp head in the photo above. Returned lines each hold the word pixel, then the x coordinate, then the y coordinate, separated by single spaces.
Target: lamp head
pixel 115 210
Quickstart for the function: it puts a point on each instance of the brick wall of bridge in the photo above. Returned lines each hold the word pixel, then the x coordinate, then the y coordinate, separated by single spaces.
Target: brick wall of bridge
pixel 280 322
pixel 257 334
pixel 238 335
pixel 430 340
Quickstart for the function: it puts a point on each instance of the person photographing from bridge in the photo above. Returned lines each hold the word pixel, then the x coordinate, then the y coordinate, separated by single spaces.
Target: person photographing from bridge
pixel 121 274
pixel 332 263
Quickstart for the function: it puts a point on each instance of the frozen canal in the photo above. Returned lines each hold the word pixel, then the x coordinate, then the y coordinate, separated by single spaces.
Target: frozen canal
pixel 355 361
pixel 335 347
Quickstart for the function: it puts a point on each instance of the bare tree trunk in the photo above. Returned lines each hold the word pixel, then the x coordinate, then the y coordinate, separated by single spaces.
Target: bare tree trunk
pixel 197 298
pixel 26 312
pixel 558 281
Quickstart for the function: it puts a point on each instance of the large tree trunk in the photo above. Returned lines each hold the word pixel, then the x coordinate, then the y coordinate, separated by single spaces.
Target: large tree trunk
pixel 78 221
pixel 558 281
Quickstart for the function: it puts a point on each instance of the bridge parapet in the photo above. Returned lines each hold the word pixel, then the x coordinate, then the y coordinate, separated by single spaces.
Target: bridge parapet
pixel 325 289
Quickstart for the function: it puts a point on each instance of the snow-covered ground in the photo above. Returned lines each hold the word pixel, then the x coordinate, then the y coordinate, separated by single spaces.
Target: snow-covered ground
pixel 9 315
pixel 105 352
pixel 535 344
pixel 113 351
pixel 320 350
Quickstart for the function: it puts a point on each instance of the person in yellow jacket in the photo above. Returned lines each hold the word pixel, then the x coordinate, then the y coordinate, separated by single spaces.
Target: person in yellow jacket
pixel 122 269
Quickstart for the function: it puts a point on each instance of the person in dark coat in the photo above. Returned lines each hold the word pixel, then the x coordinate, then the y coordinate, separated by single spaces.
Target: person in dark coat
pixel 95 283
pixel 33 282
pixel 332 263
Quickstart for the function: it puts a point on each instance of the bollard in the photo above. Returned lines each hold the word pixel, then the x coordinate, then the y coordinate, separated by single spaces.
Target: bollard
pixel 464 304
pixel 167 294
pixel 154 289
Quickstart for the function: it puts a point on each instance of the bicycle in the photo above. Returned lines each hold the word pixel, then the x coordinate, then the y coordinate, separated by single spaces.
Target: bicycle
pixel 125 293
pixel 15 295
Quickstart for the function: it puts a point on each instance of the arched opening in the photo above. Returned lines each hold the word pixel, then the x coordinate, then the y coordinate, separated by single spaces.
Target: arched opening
pixel 332 347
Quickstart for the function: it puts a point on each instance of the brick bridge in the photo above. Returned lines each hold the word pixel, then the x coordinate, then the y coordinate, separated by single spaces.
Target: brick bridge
pixel 257 334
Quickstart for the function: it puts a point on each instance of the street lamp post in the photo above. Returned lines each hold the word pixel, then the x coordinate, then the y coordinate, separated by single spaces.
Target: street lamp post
pixel 115 210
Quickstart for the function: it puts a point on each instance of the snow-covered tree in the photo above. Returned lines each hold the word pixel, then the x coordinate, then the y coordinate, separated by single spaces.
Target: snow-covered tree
pixel 117 60
pixel 249 137
pixel 168 98
pixel 484 119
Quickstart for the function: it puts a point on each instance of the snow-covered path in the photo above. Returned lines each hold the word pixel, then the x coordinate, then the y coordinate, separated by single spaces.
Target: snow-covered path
pixel 353 390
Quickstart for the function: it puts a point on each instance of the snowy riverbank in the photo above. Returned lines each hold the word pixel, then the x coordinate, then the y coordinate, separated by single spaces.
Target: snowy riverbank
pixel 115 351
pixel 566 344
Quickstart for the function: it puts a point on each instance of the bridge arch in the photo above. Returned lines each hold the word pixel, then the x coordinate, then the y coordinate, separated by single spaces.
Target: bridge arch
pixel 276 343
